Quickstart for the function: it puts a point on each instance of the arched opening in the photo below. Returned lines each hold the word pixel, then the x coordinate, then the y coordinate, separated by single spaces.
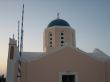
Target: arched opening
pixel 11 52
pixel 50 39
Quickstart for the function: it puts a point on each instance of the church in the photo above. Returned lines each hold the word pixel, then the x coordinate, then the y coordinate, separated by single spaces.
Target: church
pixel 60 61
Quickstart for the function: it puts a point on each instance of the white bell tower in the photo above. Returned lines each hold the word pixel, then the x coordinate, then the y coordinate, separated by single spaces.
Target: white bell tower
pixel 11 59
pixel 58 34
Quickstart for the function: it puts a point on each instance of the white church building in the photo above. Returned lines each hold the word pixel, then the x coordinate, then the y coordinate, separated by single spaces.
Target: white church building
pixel 60 61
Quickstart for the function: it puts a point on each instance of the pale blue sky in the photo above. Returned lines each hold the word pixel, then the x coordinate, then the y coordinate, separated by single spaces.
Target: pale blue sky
pixel 90 19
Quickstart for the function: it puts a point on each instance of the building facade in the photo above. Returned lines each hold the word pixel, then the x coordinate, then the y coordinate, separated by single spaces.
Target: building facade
pixel 60 61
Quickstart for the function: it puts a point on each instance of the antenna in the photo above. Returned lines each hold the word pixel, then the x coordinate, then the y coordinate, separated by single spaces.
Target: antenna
pixel 18 35
pixel 21 44
pixel 21 49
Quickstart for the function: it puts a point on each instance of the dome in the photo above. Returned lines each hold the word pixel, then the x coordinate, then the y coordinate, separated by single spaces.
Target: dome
pixel 58 22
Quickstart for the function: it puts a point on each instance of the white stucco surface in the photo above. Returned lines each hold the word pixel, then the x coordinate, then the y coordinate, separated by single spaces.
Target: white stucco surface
pixel 30 56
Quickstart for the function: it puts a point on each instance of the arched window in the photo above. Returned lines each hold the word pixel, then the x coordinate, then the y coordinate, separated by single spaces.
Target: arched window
pixel 62 39
pixel 62 33
pixel 50 39
pixel 11 52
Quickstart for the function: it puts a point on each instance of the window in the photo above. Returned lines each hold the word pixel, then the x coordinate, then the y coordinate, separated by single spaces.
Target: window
pixel 62 41
pixel 62 37
pixel 51 42
pixel 50 38
pixel 11 52
pixel 50 45
pixel 62 33
pixel 50 34
pixel 68 78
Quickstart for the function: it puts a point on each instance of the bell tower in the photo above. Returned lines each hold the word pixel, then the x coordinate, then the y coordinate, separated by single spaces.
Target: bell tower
pixel 58 34
pixel 12 51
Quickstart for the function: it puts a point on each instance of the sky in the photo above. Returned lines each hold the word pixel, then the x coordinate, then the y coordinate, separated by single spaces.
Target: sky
pixel 89 18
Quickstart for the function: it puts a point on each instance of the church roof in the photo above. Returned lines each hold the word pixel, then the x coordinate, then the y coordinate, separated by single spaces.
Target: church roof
pixel 58 22
pixel 96 54
pixel 30 56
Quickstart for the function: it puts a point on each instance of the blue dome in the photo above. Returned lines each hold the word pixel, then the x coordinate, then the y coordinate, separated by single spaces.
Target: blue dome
pixel 58 22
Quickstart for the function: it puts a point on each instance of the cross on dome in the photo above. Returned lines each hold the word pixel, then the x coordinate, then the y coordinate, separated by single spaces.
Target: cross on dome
pixel 58 15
